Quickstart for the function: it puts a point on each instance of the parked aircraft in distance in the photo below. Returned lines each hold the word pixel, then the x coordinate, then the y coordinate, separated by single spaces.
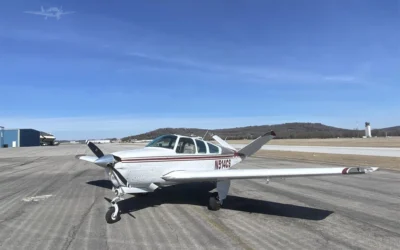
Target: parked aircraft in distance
pixel 174 159
pixel 50 12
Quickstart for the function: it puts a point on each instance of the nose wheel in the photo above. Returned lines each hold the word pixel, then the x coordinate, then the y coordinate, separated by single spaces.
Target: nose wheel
pixel 113 214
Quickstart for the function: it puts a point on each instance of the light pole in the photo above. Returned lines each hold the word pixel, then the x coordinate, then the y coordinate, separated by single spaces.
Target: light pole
pixel 1 136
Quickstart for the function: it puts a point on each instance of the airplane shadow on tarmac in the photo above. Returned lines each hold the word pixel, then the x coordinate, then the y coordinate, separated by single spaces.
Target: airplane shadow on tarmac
pixel 198 194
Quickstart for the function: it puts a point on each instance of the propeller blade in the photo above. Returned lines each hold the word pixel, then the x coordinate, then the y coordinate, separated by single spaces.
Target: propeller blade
pixel 120 176
pixel 107 162
pixel 107 173
pixel 95 149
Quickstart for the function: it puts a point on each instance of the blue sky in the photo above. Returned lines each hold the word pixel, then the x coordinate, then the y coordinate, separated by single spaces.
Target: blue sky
pixel 117 68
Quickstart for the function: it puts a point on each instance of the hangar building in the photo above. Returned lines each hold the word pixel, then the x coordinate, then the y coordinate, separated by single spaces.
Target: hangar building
pixel 19 138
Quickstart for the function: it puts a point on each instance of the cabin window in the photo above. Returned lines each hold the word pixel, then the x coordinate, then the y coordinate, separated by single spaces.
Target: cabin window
pixel 165 141
pixel 213 149
pixel 186 146
pixel 201 147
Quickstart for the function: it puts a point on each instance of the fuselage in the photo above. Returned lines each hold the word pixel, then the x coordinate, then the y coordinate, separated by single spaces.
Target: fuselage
pixel 141 167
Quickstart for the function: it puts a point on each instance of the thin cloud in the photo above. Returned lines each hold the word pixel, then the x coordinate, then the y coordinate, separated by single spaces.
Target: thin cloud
pixel 177 63
pixel 255 73
pixel 340 78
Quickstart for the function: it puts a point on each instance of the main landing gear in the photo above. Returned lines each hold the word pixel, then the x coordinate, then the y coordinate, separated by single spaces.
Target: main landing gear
pixel 113 213
pixel 214 203
pixel 216 199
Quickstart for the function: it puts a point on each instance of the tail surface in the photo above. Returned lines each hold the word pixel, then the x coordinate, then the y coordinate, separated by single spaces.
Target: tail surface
pixel 222 142
pixel 256 145
pixel 251 148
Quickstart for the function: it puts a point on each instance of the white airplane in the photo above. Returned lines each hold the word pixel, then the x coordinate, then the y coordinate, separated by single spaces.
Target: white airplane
pixel 174 159
pixel 50 12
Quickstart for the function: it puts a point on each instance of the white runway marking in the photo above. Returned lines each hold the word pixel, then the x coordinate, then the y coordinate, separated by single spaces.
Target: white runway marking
pixel 388 152
pixel 37 198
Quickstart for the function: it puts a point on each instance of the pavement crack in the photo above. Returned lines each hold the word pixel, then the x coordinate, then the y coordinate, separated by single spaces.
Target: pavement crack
pixel 74 229
pixel 172 229
pixel 176 234
pixel 214 221
pixel 13 216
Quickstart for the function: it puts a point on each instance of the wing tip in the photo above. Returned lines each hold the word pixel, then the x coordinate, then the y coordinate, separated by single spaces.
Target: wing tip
pixel 270 133
pixel 372 169
pixel 359 170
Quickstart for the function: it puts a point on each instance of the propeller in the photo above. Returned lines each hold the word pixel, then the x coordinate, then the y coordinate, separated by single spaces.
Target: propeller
pixel 108 162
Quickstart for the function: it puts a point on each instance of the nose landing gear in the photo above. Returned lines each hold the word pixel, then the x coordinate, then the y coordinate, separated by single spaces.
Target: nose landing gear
pixel 110 217
pixel 113 213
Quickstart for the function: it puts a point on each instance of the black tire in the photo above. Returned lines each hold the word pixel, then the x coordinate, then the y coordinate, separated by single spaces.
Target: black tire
pixel 213 203
pixel 109 218
pixel 141 194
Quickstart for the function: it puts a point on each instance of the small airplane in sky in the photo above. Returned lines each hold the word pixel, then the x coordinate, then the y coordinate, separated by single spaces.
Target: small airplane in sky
pixel 50 12
pixel 173 159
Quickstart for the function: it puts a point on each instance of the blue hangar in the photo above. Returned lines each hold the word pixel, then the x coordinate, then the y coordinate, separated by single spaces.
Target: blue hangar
pixel 11 138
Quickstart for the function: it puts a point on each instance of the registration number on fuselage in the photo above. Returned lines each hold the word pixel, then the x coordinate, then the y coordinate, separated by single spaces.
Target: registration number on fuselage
pixel 222 164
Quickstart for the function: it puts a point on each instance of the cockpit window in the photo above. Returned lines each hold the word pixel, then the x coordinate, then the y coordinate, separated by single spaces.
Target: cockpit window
pixel 186 146
pixel 213 149
pixel 201 147
pixel 165 141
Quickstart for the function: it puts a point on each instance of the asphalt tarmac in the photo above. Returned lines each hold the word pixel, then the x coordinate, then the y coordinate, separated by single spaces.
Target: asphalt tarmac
pixel 50 200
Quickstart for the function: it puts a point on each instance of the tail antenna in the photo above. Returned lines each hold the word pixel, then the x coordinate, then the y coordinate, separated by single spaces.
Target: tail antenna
pixel 205 135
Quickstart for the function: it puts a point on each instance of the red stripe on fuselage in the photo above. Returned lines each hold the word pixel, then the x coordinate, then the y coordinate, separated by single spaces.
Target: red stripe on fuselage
pixel 344 171
pixel 183 158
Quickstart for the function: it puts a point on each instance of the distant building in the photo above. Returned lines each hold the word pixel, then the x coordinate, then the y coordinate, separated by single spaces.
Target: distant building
pixel 1 136
pixel 368 130
pixel 12 138
pixel 100 141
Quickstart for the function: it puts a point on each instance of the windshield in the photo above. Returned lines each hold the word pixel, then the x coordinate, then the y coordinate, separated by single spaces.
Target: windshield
pixel 165 141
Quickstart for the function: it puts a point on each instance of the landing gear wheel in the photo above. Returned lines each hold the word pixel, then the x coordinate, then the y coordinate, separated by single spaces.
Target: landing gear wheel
pixel 214 204
pixel 109 216
pixel 142 194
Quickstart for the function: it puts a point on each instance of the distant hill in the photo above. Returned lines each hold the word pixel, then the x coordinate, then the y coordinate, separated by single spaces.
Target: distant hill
pixel 283 131
pixel 391 131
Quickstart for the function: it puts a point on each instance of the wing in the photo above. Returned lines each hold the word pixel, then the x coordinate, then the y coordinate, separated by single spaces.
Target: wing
pixel 231 174
pixel 86 158
pixel 67 12
pixel 37 13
